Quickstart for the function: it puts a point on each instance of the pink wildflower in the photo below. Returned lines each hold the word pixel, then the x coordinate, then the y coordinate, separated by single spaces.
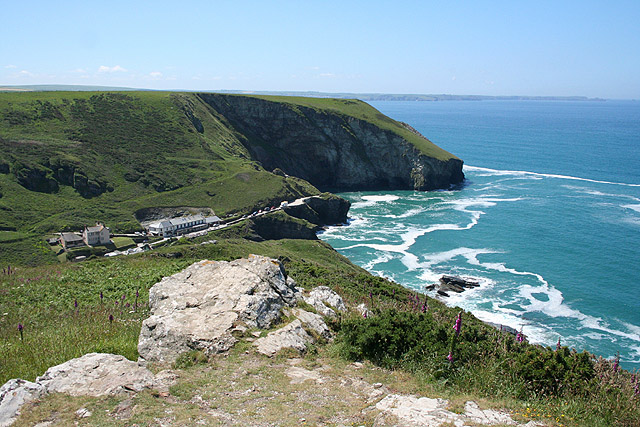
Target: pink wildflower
pixel 458 324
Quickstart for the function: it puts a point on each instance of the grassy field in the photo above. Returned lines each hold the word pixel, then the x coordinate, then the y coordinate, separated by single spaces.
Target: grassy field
pixel 69 159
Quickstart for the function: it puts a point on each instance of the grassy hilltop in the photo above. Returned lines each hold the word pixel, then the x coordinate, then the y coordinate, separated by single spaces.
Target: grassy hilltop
pixel 68 159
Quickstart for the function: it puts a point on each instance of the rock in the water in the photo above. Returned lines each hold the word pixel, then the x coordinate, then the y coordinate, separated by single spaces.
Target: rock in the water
pixel 96 374
pixel 323 298
pixel 458 282
pixel 15 393
pixel 199 307
pixel 294 334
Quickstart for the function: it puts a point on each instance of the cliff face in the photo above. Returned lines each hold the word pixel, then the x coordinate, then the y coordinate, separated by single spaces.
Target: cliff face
pixel 332 151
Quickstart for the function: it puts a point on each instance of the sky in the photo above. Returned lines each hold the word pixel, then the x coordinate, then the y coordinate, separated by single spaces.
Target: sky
pixel 541 48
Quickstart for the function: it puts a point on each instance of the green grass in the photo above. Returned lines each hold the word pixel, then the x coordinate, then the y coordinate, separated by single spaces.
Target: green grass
pixel 122 243
pixel 139 148
pixel 43 299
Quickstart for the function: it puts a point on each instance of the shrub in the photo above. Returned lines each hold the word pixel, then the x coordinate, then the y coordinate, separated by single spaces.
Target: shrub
pixel 554 372
pixel 390 336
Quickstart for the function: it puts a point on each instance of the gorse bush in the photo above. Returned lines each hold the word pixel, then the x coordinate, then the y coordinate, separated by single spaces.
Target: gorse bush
pixel 555 372
pixel 391 336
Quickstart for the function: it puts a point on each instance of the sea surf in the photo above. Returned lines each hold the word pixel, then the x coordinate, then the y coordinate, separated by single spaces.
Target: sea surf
pixel 554 244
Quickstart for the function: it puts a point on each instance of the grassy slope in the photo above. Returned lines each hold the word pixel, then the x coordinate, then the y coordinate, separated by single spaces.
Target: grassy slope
pixel 145 151
pixel 43 300
pixel 137 143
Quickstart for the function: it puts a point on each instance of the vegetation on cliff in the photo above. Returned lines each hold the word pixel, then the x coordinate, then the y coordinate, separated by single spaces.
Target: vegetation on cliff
pixel 69 159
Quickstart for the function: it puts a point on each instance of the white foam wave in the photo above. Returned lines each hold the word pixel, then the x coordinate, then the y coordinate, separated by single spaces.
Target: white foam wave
pixel 381 197
pixel 555 306
pixel 594 192
pixel 368 201
pixel 408 214
pixel 468 253
pixel 497 172
pixel 385 257
pixel 632 207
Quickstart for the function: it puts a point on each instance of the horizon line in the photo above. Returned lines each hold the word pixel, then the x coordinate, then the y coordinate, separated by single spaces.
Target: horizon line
pixel 309 93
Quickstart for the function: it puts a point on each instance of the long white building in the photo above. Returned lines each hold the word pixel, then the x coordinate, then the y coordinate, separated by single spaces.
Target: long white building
pixel 181 225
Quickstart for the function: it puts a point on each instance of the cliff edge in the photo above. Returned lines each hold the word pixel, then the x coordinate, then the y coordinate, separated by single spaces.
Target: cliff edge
pixel 336 144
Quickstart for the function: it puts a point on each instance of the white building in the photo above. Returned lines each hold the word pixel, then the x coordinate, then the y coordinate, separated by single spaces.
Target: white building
pixel 98 235
pixel 177 226
pixel 212 220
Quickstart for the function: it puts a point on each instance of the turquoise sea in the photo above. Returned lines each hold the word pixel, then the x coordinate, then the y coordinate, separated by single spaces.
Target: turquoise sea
pixel 548 219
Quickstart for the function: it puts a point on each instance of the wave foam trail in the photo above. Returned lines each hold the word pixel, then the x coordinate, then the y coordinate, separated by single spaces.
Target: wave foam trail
pixel 373 199
pixel 593 192
pixel 497 172
pixel 555 306
pixel 632 207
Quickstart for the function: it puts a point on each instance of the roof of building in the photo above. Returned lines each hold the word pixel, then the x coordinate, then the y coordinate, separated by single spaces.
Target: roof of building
pixel 95 229
pixel 70 237
pixel 187 219
pixel 213 218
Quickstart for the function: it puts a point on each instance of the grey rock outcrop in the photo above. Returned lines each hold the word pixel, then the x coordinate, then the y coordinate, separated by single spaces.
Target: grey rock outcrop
pixel 294 335
pixel 334 151
pixel 322 298
pixel 15 393
pixel 425 412
pixel 199 307
pixel 94 374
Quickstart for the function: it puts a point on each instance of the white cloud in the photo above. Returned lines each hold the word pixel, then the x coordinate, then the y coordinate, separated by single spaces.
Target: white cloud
pixel 10 66
pixel 155 74
pixel 26 73
pixel 80 70
pixel 114 69
pixel 330 75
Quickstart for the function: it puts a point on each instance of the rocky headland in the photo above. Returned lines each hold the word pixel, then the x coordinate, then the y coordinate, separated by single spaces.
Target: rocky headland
pixel 332 150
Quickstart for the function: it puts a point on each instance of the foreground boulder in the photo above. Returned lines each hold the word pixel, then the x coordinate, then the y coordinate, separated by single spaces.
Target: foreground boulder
pixel 324 300
pixel 426 412
pixel 302 331
pixel 200 307
pixel 15 393
pixel 94 374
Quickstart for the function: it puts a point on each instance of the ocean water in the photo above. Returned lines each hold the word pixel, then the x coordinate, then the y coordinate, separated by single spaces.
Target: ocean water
pixel 548 219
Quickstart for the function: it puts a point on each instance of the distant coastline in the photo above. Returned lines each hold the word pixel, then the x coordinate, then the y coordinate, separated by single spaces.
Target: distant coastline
pixel 346 95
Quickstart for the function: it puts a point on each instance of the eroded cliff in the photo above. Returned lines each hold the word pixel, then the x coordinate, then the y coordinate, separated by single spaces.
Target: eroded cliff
pixel 336 151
